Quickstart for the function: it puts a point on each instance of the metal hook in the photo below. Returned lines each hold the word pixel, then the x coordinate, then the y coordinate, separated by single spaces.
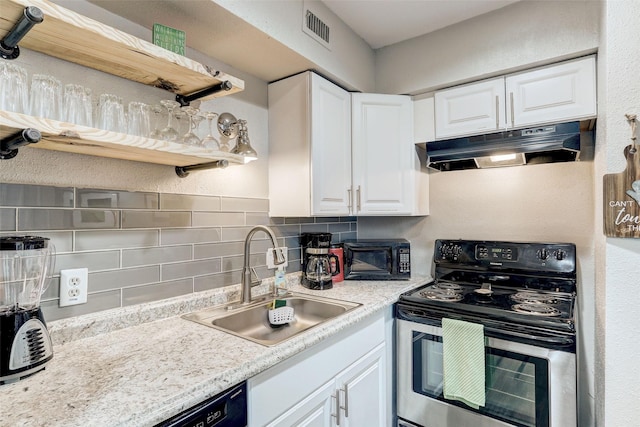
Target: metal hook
pixel 631 119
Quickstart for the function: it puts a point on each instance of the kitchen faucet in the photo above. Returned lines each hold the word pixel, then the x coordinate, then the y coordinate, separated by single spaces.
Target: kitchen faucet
pixel 245 296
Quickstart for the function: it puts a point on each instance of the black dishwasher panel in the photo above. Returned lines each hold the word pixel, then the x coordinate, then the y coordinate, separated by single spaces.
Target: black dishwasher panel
pixel 227 409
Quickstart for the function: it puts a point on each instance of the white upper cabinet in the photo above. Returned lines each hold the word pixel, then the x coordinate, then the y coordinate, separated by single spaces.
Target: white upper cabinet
pixel 383 154
pixel 309 147
pixel 332 153
pixel 470 109
pixel 562 92
pixel 555 93
pixel 330 148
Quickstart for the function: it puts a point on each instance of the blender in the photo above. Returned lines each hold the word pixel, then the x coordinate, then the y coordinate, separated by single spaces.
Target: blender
pixel 26 264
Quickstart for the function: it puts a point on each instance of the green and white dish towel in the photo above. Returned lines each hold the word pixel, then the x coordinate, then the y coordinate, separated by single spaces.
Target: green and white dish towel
pixel 464 364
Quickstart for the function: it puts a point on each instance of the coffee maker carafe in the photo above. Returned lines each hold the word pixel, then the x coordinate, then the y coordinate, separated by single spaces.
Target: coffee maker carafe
pixel 316 261
pixel 26 264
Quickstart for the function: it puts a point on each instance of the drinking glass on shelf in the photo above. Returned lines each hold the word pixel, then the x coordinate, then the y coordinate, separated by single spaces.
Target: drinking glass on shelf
pixel 210 141
pixel 190 138
pixel 181 121
pixel 77 105
pixel 156 113
pixel 13 88
pixel 46 97
pixel 139 122
pixel 169 133
pixel 110 113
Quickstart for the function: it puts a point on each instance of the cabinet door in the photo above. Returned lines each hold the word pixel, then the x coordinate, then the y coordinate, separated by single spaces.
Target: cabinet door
pixel 470 109
pixel 560 92
pixel 313 411
pixel 363 391
pixel 330 148
pixel 383 154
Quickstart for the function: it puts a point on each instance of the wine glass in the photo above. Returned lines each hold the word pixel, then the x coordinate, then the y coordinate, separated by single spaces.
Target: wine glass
pixel 190 138
pixel 169 133
pixel 210 141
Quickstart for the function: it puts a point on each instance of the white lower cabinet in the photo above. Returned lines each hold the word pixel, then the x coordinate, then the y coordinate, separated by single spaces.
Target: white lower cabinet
pixel 361 391
pixel 343 381
pixel 355 398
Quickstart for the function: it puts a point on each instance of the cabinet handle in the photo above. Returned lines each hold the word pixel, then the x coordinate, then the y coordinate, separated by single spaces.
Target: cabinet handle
pixel 350 206
pixel 337 414
pixel 346 401
pixel 358 197
pixel 512 109
pixel 497 112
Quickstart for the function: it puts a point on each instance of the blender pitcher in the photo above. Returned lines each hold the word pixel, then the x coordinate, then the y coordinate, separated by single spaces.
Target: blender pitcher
pixel 26 264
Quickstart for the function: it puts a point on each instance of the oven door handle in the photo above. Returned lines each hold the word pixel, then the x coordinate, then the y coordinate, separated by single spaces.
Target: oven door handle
pixel 420 316
pixel 551 340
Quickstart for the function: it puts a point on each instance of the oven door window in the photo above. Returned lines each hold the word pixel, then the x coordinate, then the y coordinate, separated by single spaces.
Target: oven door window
pixel 516 384
pixel 370 260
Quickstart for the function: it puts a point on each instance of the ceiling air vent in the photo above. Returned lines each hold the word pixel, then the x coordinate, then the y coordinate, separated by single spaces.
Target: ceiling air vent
pixel 316 28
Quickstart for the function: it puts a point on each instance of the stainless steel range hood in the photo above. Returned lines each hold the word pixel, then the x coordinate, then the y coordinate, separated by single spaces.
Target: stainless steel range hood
pixel 542 144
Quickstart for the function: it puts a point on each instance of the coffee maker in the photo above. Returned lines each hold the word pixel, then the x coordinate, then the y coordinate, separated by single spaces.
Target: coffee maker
pixel 26 264
pixel 316 261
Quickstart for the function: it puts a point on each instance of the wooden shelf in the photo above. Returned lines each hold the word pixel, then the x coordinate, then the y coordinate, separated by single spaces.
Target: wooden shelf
pixel 70 138
pixel 75 38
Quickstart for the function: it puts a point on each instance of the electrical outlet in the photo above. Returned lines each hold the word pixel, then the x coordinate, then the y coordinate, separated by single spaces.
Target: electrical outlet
pixel 74 286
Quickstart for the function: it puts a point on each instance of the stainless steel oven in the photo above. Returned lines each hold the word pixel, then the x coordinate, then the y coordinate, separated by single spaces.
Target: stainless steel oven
pixel 530 355
pixel 526 385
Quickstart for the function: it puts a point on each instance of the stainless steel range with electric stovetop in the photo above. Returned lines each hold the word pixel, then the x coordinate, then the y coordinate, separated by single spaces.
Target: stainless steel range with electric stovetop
pixel 523 295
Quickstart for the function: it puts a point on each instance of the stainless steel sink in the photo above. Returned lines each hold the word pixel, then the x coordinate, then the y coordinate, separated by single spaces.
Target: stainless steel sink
pixel 252 321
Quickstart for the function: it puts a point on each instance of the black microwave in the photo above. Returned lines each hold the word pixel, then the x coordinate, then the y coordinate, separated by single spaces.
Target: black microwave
pixel 366 259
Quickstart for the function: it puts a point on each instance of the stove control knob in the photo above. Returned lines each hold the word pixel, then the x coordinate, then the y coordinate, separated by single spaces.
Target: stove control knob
pixel 543 254
pixel 560 254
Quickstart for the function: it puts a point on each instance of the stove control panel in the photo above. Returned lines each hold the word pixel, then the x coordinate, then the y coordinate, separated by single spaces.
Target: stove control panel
pixel 551 257
pixel 497 253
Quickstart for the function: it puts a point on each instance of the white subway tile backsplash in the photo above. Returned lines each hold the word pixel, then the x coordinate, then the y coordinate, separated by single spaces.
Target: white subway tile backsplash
pixel 144 246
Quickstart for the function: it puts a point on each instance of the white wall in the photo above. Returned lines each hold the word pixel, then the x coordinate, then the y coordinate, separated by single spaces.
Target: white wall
pixel 520 35
pixel 553 202
pixel 617 297
pixel 35 166
pixel 350 60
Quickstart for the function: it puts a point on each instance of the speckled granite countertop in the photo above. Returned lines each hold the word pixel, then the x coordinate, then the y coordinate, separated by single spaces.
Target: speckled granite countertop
pixel 140 365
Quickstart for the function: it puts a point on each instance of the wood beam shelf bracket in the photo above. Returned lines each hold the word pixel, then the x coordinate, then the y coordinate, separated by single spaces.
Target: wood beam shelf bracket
pixel 185 100
pixel 9 44
pixel 9 145
pixel 183 171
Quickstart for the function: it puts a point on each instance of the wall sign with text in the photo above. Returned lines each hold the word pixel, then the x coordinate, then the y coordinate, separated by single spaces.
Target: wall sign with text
pixel 622 198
